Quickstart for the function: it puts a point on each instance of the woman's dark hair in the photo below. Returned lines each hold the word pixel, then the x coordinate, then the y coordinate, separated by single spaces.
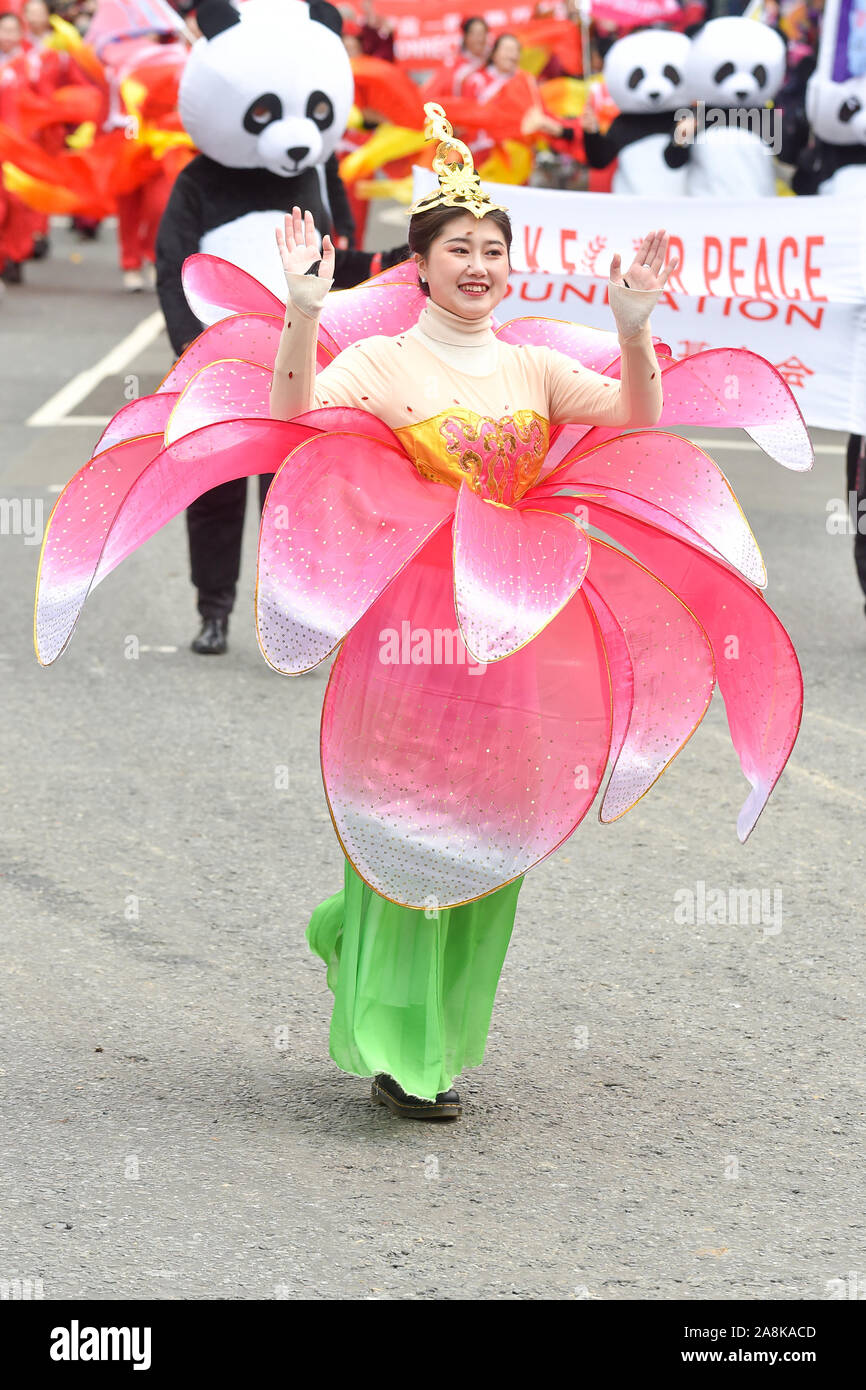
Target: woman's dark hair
pixel 425 227
pixel 468 23
pixel 501 39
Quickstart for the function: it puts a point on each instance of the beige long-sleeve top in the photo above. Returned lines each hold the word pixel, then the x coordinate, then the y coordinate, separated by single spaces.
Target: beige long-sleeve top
pixel 448 387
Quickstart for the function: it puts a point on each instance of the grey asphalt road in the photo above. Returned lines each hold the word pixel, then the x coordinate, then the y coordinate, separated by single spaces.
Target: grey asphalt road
pixel 666 1110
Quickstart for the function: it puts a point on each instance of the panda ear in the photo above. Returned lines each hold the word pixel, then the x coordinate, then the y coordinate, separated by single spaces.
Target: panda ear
pixel 214 16
pixel 329 15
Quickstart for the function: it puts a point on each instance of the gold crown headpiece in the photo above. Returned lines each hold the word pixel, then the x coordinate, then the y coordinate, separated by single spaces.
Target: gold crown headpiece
pixel 459 182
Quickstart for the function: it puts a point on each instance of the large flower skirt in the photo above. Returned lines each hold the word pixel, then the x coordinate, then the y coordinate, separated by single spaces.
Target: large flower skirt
pixel 413 990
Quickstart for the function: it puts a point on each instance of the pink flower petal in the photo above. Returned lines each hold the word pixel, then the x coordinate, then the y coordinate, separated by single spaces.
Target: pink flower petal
pixel 672 672
pixel 147 415
pixel 75 535
pixel 230 390
pixel 732 386
pixel 595 348
pixel 343 516
pixel 653 474
pixel 513 572
pixel 251 337
pixel 118 500
pixel 368 310
pixel 447 779
pixel 722 388
pixel 215 288
pixel 756 666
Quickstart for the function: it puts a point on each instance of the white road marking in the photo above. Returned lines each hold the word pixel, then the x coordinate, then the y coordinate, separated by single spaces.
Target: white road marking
pixel 55 411
pixel 837 723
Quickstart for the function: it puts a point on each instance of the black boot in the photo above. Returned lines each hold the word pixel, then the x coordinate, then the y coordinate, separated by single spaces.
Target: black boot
pixel 11 273
pixel 386 1091
pixel 212 640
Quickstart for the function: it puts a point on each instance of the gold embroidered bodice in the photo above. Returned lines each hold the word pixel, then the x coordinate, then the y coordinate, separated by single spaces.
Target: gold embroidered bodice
pixel 499 459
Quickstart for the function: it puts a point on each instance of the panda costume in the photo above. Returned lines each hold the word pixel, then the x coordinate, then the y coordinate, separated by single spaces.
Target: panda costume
pixel 265 96
pixel 645 75
pixel 734 66
pixel 833 164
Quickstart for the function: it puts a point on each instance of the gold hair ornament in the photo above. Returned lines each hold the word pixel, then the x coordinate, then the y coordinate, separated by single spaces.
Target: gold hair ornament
pixel 459 182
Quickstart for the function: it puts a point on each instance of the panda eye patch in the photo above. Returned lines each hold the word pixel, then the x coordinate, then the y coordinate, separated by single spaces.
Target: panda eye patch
pixel 262 111
pixel 725 71
pixel 320 110
pixel 849 109
pixel 671 74
pixel 636 78
pixel 760 74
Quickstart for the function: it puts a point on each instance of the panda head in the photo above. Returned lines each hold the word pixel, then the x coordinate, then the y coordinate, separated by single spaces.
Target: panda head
pixel 837 110
pixel 645 71
pixel 735 62
pixel 269 86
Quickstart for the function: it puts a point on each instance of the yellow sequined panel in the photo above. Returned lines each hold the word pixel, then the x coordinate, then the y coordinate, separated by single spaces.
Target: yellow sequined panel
pixel 499 459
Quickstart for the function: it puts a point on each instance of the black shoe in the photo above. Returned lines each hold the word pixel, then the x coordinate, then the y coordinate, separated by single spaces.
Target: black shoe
pixel 11 274
pixel 212 640
pixel 386 1091
pixel 41 248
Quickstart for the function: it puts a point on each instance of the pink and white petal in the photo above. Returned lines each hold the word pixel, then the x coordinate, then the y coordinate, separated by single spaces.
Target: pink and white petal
pixel 513 572
pixel 74 537
pixel 368 310
pixel 215 288
pixel 147 415
pixel 671 475
pixel 722 388
pixel 349 419
pixel 672 672
pixel 725 387
pixel 622 679
pixel 230 390
pixel 756 666
pixel 124 495
pixel 251 337
pixel 447 779
pixel 342 517
pixel 595 348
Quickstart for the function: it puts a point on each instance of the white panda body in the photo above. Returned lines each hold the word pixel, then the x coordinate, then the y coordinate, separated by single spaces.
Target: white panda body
pixel 847 182
pixel 733 64
pixel 249 242
pixel 642 172
pixel 730 163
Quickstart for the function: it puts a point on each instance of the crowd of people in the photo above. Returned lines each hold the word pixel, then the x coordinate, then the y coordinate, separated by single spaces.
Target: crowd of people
pixel 488 70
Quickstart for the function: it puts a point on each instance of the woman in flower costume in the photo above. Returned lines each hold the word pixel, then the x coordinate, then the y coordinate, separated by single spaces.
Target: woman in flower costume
pixel 428 518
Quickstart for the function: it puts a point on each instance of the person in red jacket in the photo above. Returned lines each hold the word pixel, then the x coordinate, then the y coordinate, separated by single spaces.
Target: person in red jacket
pixel 18 71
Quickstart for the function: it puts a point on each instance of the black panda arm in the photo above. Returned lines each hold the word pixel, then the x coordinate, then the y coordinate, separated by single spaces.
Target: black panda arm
pixel 179 236
pixel 600 149
pixel 812 169
pixel 675 156
pixel 344 222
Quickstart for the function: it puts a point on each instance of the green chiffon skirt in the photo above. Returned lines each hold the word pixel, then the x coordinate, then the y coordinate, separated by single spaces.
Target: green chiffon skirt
pixel 413 993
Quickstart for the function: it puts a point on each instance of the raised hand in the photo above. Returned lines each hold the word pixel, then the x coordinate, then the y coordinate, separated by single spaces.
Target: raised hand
pixel 299 249
pixel 650 269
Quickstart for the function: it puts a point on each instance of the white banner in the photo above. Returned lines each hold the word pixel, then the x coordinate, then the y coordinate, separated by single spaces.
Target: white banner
pixel 784 277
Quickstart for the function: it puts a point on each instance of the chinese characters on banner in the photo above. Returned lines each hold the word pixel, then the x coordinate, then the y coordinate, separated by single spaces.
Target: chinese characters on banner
pixel 785 277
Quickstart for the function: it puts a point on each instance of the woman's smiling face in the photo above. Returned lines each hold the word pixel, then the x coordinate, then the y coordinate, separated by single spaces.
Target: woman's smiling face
pixel 466 267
